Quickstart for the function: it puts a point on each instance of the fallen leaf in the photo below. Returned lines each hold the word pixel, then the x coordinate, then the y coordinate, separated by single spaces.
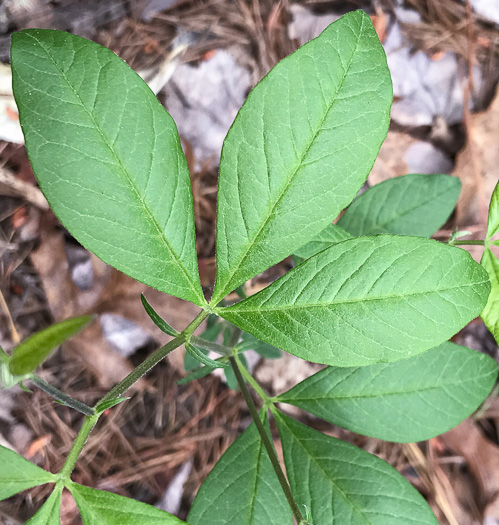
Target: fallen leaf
pixel 485 126
pixel 38 445
pixel 13 115
pixel 481 455
pixel 379 21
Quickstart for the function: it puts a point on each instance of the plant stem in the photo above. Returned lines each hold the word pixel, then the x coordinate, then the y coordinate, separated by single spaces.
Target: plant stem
pixel 154 359
pixel 90 420
pixel 87 426
pixel 61 396
pixel 266 442
pixel 252 381
pixel 471 243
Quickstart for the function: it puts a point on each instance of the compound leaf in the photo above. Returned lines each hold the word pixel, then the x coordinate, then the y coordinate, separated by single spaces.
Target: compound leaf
pixel 409 205
pixel 18 474
pixel 32 352
pixel 367 300
pixel 339 483
pixel 242 488
pixel 490 314
pixel 493 222
pixel 407 401
pixel 117 180
pixel 326 238
pixel 50 512
pixel 98 507
pixel 300 148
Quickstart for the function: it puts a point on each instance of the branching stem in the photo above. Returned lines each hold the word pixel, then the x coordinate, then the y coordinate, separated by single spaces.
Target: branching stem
pixel 154 359
pixel 91 420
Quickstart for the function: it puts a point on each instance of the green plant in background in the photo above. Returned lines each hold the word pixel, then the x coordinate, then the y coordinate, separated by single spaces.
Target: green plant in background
pixel 371 296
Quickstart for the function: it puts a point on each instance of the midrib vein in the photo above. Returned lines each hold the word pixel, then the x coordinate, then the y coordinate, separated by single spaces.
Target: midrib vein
pixel 308 146
pixel 257 308
pixel 380 394
pixel 122 168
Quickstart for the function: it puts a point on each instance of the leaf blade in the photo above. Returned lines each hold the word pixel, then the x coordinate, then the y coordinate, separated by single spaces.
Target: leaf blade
pixel 340 483
pixel 367 300
pixel 235 490
pixel 98 506
pixel 493 220
pixel 18 474
pixel 31 353
pixel 287 171
pixel 490 313
pixel 105 172
pixel 411 400
pixel 409 205
pixel 326 238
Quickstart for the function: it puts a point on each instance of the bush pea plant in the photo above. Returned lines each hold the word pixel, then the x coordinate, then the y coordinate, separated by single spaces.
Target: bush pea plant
pixel 372 297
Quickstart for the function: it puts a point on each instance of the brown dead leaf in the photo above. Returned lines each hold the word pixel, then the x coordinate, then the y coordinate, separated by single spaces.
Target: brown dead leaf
pixel 13 115
pixel 19 217
pixel 481 455
pixel 379 21
pixel 485 126
pixel 38 445
pixel 437 56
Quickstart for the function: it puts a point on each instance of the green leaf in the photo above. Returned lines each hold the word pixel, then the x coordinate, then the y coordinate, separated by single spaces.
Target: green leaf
pixel 50 511
pixel 326 238
pixel 250 342
pixel 108 158
pixel 101 407
pixel 242 488
pixel 300 148
pixel 98 507
pixel 18 474
pixel 32 352
pixel 493 222
pixel 407 401
pixel 156 318
pixel 367 300
pixel 199 354
pixel 8 380
pixel 197 373
pixel 339 483
pixel 210 334
pixel 409 205
pixel 490 313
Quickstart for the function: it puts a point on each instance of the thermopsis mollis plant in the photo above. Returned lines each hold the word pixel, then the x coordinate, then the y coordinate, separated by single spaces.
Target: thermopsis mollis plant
pixel 372 297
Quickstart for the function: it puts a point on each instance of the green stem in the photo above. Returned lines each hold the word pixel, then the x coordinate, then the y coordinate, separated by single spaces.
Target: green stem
pixel 154 359
pixel 61 396
pixel 88 424
pixel 269 447
pixel 91 420
pixel 471 243
pixel 252 381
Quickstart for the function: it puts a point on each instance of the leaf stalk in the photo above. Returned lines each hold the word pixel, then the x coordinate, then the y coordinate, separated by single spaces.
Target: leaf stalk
pixel 269 447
